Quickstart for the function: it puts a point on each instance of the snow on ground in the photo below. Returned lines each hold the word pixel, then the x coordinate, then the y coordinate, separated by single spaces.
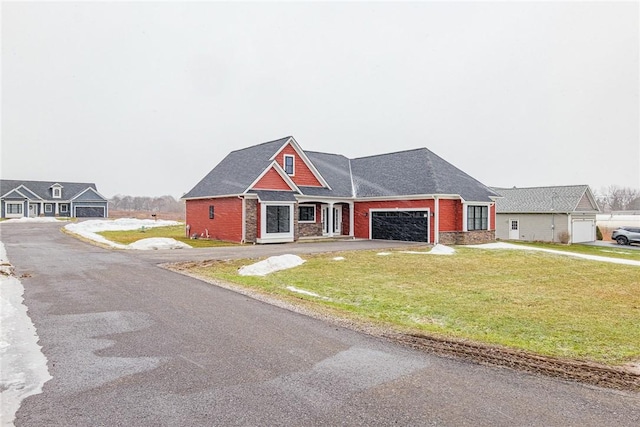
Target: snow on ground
pixel 338 258
pixel 302 291
pixel 23 367
pixel 89 229
pixel 438 249
pixel 504 245
pixel 270 265
pixel 37 219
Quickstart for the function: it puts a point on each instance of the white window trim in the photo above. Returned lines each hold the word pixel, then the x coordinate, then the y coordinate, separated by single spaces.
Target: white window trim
pixel 465 215
pixel 293 163
pixel 62 206
pixel 314 214
pixel 275 237
pixel 13 215
pixel 56 192
pixel 48 208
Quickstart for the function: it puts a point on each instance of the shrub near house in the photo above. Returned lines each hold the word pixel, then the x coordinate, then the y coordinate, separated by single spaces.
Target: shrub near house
pixel 277 192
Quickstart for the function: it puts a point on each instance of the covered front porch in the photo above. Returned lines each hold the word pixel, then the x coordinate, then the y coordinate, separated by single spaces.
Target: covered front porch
pixel 325 219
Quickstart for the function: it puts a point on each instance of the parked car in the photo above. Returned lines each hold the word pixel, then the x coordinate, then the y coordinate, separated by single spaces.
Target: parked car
pixel 626 235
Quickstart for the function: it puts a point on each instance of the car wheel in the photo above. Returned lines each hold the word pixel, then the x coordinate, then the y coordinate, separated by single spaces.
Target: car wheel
pixel 622 240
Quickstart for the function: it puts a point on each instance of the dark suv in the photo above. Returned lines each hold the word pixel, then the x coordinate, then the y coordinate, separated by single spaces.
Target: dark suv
pixel 626 235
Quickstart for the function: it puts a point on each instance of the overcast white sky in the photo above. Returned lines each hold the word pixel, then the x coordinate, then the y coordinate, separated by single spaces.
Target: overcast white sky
pixel 145 98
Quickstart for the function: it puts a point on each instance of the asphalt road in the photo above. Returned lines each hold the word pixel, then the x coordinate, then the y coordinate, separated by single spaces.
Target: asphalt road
pixel 132 344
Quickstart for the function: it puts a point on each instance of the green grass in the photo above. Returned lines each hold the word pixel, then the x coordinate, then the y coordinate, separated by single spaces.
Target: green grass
pixel 613 251
pixel 175 232
pixel 544 303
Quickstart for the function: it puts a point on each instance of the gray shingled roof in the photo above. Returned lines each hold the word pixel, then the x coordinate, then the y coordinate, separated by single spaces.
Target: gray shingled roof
pixel 334 168
pixel 43 188
pixel 275 196
pixel 418 172
pixel 414 172
pixel 540 199
pixel 237 171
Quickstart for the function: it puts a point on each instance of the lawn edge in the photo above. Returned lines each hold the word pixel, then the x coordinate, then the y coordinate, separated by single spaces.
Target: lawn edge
pixel 582 371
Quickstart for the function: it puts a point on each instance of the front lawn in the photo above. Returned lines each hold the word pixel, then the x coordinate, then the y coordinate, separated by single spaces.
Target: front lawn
pixel 544 303
pixel 612 251
pixel 174 232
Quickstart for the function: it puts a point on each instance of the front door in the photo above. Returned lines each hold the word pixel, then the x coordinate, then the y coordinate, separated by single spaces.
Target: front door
pixel 514 229
pixel 33 210
pixel 325 217
pixel 337 219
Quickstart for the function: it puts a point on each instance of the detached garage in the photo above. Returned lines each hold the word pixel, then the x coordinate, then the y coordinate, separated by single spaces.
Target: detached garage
pixel 563 214
pixel 412 226
pixel 583 230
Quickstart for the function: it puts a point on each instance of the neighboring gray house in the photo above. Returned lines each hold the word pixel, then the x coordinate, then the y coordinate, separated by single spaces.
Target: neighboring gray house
pixel 50 198
pixel 546 214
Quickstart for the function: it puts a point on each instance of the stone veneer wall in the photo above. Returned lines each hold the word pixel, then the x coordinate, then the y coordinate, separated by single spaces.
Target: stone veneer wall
pixel 251 220
pixel 467 237
pixel 306 229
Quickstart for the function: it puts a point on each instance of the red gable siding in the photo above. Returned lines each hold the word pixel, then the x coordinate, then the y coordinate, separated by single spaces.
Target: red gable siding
pixel 303 175
pixel 272 181
pixel 227 219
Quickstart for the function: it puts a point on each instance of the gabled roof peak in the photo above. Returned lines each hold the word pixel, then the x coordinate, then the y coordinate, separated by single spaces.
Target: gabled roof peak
pixel 280 141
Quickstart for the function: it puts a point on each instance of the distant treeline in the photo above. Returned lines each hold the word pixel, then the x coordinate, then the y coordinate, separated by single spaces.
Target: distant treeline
pixel 148 204
pixel 614 198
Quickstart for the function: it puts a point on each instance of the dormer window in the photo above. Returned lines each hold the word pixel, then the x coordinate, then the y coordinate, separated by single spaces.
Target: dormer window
pixel 289 164
pixel 56 191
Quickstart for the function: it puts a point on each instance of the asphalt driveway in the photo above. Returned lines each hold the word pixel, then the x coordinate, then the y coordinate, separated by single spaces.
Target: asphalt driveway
pixel 132 344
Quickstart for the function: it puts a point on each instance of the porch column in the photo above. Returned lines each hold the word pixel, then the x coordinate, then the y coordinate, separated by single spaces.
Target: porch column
pixel 56 211
pixel 330 219
pixel 436 222
pixel 351 218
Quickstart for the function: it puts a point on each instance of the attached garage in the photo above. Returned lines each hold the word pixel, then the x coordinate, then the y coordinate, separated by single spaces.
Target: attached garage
pixel 583 231
pixel 89 212
pixel 410 226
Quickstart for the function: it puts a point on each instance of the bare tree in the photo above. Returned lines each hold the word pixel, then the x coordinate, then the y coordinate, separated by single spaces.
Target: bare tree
pixel 615 198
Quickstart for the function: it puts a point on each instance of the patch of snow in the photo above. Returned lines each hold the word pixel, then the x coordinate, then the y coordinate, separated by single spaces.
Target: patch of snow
pixel 23 367
pixel 270 265
pixel 503 245
pixel 436 250
pixel 338 258
pixel 89 229
pixel 384 253
pixel 36 219
pixel 155 243
pixel 302 291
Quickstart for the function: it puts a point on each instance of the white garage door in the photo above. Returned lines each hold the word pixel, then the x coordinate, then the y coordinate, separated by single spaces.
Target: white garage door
pixel 583 231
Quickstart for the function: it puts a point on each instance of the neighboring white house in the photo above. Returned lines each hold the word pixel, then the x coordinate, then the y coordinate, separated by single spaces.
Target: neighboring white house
pixel 550 214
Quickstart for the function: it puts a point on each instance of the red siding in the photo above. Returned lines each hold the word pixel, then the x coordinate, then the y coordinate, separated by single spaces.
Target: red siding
pixel 450 218
pixel 272 181
pixel 226 224
pixel 303 175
